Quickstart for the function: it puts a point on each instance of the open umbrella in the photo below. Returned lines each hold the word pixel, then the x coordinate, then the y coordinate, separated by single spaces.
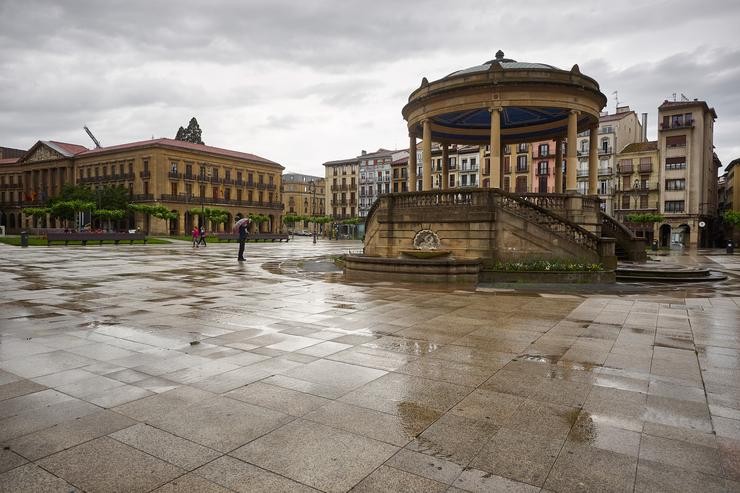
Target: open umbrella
pixel 238 224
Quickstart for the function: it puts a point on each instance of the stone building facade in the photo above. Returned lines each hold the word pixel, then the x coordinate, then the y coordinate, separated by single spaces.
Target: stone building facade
pixel 341 188
pixel 304 195
pixel 178 175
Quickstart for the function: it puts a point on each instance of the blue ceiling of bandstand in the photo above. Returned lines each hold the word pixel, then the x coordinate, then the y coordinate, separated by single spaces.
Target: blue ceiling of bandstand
pixel 511 117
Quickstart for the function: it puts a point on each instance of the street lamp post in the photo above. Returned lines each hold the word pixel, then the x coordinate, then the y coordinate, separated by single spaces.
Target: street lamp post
pixel 312 189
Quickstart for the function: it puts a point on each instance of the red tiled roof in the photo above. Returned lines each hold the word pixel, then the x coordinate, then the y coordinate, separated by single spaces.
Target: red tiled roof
pixel 71 148
pixel 615 116
pixel 641 146
pixel 178 144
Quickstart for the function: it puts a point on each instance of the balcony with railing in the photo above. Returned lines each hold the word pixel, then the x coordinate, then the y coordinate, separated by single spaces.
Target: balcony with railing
pixel 145 175
pixel 605 150
pixel 142 197
pixel 189 177
pixel 605 171
pixel 174 175
pixel 582 173
pixel 625 169
pixel 677 124
pixel 646 168
pixel 522 168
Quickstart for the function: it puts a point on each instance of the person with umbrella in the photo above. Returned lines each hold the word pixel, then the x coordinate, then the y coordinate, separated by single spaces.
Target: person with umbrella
pixel 242 227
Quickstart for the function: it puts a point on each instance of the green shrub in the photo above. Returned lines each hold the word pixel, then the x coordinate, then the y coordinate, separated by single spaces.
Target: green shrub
pixel 546 265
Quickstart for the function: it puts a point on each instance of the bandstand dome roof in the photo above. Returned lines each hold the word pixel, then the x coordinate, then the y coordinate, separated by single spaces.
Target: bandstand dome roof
pixel 506 63
pixel 533 99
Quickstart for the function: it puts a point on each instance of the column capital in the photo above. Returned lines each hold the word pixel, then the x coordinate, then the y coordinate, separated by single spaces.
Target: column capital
pixel 495 108
pixel 575 112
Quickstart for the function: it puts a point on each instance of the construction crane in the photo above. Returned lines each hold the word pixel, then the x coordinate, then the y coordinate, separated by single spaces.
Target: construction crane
pixel 97 144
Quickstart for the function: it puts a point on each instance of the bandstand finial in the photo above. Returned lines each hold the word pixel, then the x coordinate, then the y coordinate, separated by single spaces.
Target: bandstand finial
pixel 499 55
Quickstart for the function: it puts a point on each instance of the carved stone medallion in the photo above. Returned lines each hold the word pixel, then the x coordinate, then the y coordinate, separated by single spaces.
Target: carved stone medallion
pixel 426 239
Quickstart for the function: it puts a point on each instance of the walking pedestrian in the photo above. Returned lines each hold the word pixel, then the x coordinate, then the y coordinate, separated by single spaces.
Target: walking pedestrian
pixel 243 228
pixel 202 236
pixel 196 236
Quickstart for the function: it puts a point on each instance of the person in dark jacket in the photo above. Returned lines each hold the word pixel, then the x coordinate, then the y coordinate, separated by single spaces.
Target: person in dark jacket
pixel 243 232
pixel 202 236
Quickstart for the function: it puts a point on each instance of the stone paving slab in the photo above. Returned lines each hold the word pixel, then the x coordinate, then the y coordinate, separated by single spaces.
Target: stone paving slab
pixel 163 368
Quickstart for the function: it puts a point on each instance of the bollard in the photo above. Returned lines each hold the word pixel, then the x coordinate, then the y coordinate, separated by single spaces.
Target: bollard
pixel 24 239
pixel 730 247
pixel 655 245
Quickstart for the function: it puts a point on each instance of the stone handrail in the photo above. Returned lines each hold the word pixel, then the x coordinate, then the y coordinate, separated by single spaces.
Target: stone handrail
pixel 526 207
pixel 557 225
pixel 615 229
pixel 633 246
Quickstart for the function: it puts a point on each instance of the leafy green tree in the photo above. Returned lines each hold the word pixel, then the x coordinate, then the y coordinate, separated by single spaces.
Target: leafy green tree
pixel 113 198
pixel 157 211
pixel 110 215
pixel 644 218
pixel 732 218
pixel 191 134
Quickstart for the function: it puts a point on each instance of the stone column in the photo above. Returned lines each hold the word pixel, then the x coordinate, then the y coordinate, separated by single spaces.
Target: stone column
pixel 426 157
pixel 559 165
pixel 412 162
pixel 571 170
pixel 593 171
pixel 495 168
pixel 445 181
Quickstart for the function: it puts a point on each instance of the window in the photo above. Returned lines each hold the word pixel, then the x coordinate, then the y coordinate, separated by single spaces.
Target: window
pixel 473 162
pixel 542 187
pixel 674 205
pixel 521 164
pixel 544 150
pixel 675 163
pixel 643 201
pixel 507 183
pixel 464 180
pixel 146 165
pixel 472 180
pixel 625 201
pixel 677 184
pixel 452 181
pixel 507 150
pixel 542 168
pixel 227 194
pixel 173 189
pixel 238 195
pixel 507 165
pixel 626 182
pixel 675 141
pixel 522 148
pixel 173 167
pixel 603 187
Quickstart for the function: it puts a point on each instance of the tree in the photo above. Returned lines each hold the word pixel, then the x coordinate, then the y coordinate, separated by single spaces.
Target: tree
pixel 158 211
pixel 191 134
pixel 732 218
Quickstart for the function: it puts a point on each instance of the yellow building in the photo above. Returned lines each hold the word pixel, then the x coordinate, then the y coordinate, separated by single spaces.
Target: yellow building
pixel 637 189
pixel 304 195
pixel 181 176
pixel 341 188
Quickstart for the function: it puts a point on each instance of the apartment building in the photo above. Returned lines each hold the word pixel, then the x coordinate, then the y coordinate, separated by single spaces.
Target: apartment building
pixel 688 186
pixel 374 177
pixel 304 195
pixel 399 167
pixel 341 188
pixel 637 189
pixel 616 131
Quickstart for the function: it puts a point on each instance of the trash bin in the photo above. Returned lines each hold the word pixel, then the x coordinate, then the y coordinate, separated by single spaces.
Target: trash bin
pixel 730 247
pixel 655 245
pixel 24 238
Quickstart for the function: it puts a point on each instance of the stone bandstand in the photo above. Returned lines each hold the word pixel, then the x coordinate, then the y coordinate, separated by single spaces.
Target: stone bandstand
pixel 500 102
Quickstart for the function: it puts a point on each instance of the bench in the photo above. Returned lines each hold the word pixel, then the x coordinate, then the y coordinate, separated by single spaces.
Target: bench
pixel 252 237
pixel 101 237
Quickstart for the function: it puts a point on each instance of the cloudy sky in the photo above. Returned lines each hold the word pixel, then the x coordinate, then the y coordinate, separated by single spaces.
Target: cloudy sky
pixel 304 82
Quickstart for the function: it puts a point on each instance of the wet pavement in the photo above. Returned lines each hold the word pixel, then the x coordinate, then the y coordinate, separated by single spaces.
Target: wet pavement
pixel 164 368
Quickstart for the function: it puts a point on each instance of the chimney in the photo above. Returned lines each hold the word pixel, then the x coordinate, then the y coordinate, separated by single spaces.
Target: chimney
pixel 644 127
pixel 364 152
